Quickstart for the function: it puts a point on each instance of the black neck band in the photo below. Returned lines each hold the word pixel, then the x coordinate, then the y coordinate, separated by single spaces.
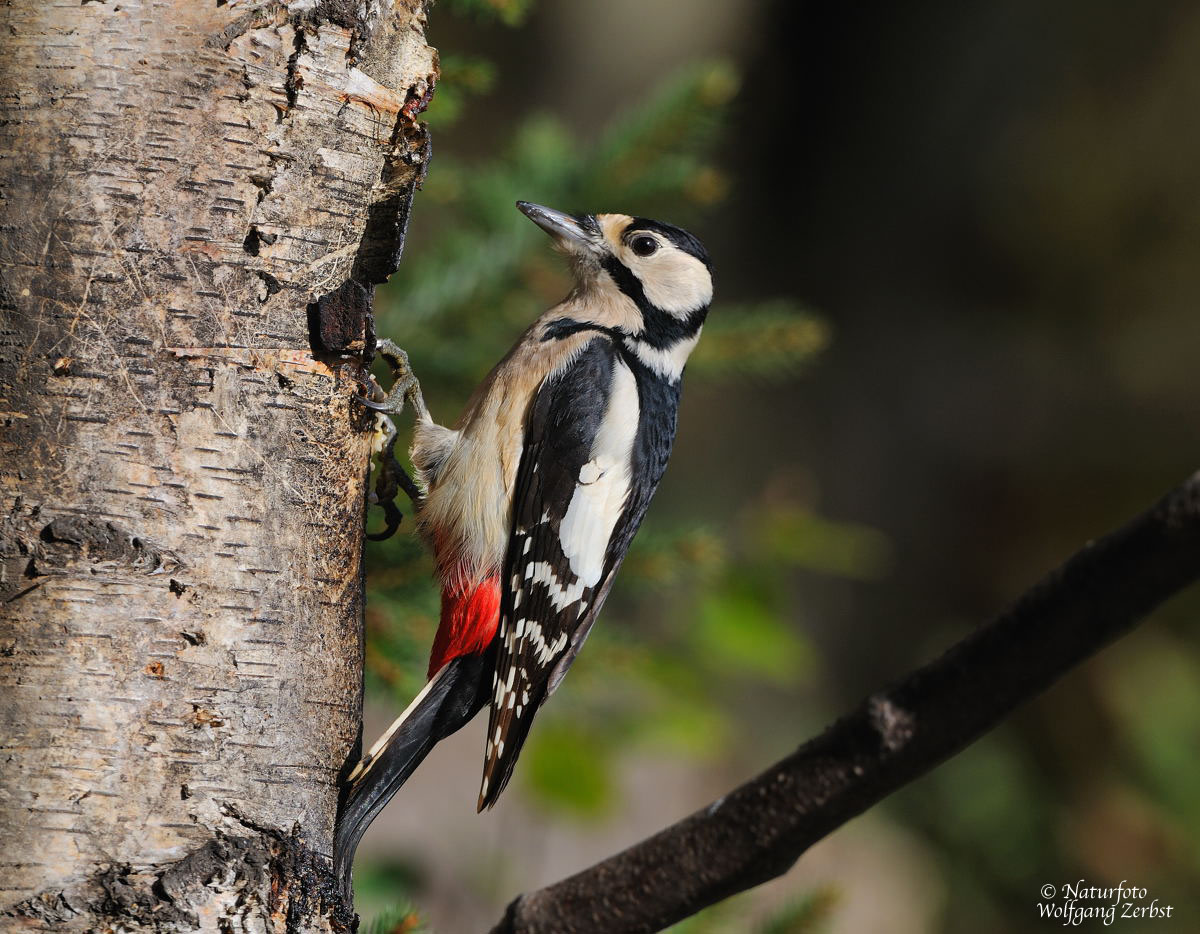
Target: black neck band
pixel 660 329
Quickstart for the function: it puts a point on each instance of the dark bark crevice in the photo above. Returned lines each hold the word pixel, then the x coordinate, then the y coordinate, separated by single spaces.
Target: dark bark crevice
pixel 267 874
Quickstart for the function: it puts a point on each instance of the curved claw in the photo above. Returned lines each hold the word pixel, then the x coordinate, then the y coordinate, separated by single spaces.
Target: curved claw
pixel 371 404
pixel 392 516
pixel 392 478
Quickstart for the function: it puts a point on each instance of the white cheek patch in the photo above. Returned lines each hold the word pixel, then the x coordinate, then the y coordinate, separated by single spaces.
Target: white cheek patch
pixel 597 502
pixel 674 281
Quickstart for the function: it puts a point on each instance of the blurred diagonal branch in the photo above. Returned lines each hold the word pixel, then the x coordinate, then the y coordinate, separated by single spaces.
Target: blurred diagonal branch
pixel 760 829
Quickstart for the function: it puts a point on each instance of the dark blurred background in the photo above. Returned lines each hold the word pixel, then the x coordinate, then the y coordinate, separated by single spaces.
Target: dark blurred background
pixel 955 337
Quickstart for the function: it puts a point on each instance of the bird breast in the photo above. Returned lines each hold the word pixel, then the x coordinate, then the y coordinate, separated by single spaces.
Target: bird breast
pixel 470 471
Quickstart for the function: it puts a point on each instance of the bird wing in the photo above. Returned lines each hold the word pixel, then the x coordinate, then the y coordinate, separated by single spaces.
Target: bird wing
pixel 580 494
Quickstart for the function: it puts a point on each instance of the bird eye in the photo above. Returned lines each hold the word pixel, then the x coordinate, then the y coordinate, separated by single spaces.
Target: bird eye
pixel 644 246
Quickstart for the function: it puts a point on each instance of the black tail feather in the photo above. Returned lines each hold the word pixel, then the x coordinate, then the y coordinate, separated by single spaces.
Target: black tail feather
pixel 498 770
pixel 451 698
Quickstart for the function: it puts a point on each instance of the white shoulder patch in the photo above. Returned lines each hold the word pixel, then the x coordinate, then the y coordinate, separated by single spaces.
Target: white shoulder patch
pixel 604 481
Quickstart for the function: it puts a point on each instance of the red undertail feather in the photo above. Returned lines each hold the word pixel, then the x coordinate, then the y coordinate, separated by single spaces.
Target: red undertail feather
pixel 470 616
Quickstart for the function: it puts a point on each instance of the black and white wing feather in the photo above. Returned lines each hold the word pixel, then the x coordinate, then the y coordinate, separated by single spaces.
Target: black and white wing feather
pixel 597 437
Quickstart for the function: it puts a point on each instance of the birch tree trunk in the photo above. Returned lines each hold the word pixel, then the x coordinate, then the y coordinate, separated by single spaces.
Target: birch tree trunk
pixel 183 467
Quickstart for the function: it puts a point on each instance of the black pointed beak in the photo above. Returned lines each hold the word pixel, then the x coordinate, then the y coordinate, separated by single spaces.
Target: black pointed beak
pixel 568 230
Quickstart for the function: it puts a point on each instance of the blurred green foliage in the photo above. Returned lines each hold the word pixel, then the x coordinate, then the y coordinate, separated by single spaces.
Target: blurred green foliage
pixel 1102 788
pixel 1153 696
pixel 1097 782
pixel 462 77
pixel 509 12
pixel 809 914
pixel 709 599
pixel 397 919
pixel 379 895
pixel 477 273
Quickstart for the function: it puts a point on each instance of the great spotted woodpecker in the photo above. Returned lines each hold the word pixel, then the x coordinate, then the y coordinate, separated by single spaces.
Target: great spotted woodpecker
pixel 534 496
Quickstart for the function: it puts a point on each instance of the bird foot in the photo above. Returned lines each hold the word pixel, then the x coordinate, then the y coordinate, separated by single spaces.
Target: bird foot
pixel 392 477
pixel 405 387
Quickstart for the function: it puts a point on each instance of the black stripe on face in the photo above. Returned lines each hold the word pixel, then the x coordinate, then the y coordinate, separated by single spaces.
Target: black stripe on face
pixel 660 329
pixel 677 235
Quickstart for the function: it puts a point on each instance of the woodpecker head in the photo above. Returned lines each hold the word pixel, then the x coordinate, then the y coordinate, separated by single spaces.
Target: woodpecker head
pixel 663 269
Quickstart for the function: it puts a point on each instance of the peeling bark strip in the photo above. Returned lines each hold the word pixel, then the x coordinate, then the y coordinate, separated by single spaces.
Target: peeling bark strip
pixel 758 831
pixel 181 483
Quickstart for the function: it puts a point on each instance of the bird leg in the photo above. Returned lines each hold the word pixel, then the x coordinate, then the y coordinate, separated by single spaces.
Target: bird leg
pixel 392 475
pixel 405 387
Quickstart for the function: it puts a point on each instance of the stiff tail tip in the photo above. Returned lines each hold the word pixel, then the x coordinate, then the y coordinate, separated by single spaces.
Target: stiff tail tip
pixel 447 702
